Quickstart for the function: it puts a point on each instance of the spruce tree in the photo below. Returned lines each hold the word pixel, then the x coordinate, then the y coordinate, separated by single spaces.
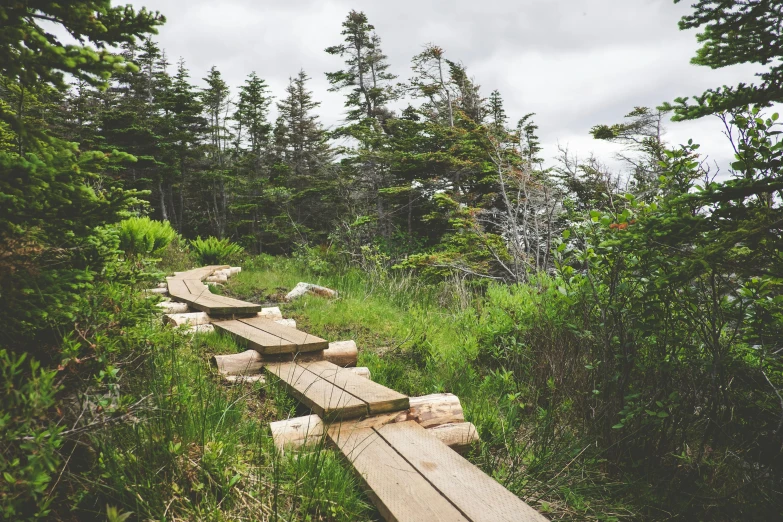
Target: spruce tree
pixel 432 82
pixel 251 160
pixel 734 33
pixel 304 164
pixel 215 98
pixel 368 88
pixel 187 129
pixel 30 53
pixel 366 76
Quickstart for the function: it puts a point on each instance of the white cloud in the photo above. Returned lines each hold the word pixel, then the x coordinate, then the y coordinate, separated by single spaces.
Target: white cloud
pixel 576 63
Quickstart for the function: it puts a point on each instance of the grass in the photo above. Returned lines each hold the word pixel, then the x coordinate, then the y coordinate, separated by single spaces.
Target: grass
pixel 201 450
pixel 420 339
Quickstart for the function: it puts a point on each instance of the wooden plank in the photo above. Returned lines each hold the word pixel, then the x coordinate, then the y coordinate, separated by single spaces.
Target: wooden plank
pixel 254 338
pixel 196 287
pixel 305 341
pixel 398 491
pixel 379 398
pixel 472 491
pixel 177 288
pixel 199 273
pixel 325 399
pixel 212 307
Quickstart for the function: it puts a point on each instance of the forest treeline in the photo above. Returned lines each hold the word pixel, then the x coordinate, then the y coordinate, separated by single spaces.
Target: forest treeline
pixel 625 321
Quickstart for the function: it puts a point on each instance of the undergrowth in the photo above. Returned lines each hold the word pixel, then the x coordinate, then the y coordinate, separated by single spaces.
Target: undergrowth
pixel 421 339
pixel 197 449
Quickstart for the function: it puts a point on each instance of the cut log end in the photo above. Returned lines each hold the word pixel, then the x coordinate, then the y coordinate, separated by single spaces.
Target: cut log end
pixel 272 313
pixel 459 436
pixel 245 363
pixel 245 379
pixel 192 319
pixel 200 329
pixel 171 307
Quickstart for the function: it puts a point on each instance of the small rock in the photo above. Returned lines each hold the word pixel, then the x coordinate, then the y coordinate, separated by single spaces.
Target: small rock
pixel 308 288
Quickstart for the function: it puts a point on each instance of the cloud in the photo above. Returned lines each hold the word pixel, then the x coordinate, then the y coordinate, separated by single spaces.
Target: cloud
pixel 575 63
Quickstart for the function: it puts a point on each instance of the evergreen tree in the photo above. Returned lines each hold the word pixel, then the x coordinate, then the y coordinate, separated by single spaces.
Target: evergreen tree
pixel 30 54
pixel 642 135
pixel 368 89
pixel 366 75
pixel 497 114
pixel 735 33
pixel 187 129
pixel 432 82
pixel 215 98
pixel 251 158
pixel 304 166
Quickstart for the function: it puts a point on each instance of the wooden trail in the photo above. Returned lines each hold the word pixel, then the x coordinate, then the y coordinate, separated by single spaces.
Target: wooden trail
pixel 187 287
pixel 409 472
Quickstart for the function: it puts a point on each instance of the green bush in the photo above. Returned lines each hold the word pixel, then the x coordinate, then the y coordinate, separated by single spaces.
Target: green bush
pixel 29 443
pixel 214 251
pixel 142 236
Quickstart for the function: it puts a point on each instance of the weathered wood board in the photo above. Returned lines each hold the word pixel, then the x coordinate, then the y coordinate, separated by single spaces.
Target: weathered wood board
pixel 188 288
pixel 470 490
pixel 304 341
pixel 324 398
pixel 336 393
pixel 379 399
pixel 396 488
pixel 268 337
pixel 255 339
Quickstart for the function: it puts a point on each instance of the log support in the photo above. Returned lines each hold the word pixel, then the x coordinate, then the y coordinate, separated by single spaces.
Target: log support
pixel 441 414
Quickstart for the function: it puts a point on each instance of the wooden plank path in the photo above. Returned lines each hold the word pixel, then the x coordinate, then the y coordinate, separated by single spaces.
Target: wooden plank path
pixel 187 287
pixel 336 393
pixel 412 476
pixel 268 337
pixel 409 474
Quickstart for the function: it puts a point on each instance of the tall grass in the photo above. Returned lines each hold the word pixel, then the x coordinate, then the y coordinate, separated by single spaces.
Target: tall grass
pixel 507 352
pixel 201 450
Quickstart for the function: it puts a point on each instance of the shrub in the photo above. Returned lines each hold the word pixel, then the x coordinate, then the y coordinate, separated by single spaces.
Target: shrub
pixel 142 236
pixel 28 442
pixel 214 251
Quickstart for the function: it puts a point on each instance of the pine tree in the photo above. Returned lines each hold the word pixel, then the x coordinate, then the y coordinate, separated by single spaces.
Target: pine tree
pixel 366 75
pixel 186 130
pixel 735 33
pixel 31 54
pixel 251 158
pixel 368 89
pixel 432 82
pixel 215 98
pixel 306 150
pixel 304 164
pixel 497 114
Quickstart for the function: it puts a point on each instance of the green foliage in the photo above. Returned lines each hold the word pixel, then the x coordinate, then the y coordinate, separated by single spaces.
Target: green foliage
pixel 32 55
pixel 735 33
pixel 142 236
pixel 673 292
pixel 214 251
pixel 29 442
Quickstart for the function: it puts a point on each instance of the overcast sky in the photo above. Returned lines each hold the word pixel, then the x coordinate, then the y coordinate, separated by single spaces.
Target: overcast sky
pixel 575 63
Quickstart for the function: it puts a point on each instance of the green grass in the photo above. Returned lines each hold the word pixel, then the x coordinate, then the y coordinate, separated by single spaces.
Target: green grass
pixel 201 450
pixel 420 339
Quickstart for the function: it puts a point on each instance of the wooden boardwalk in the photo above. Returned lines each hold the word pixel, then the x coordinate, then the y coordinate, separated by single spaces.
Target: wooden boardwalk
pixel 268 337
pixel 410 474
pixel 336 393
pixel 187 287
